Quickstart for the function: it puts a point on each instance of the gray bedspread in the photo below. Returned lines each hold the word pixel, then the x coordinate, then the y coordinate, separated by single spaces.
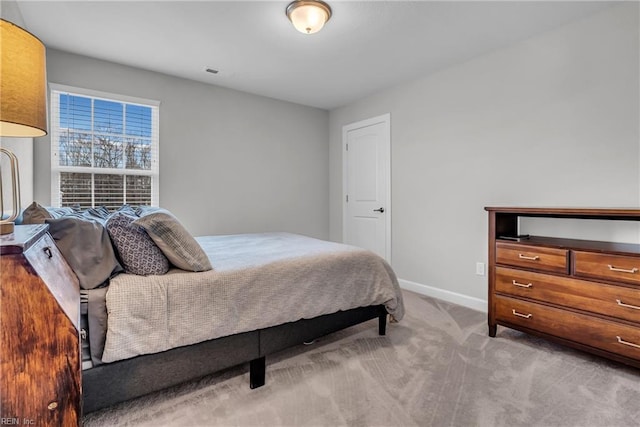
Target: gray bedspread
pixel 257 281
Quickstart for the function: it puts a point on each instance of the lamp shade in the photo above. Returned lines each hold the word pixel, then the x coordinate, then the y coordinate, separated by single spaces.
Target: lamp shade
pixel 22 83
pixel 308 16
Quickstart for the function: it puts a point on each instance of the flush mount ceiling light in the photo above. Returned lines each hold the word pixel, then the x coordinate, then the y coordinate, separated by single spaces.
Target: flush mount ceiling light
pixel 308 16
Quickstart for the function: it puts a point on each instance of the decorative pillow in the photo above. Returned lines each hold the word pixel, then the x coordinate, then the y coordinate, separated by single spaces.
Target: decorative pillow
pixel 175 241
pixel 36 214
pixel 137 251
pixel 86 246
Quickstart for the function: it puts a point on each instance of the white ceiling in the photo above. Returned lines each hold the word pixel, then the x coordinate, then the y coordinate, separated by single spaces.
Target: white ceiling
pixel 365 47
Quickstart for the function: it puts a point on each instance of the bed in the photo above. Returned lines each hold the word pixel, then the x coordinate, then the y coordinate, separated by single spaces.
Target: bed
pixel 260 294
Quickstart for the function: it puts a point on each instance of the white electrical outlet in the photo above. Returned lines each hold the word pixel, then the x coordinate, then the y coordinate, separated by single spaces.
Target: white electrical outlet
pixel 480 268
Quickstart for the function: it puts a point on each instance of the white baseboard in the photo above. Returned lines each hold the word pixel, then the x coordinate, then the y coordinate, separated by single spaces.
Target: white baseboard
pixel 452 297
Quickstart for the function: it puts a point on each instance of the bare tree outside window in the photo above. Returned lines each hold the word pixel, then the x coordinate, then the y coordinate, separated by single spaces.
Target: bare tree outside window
pixel 95 135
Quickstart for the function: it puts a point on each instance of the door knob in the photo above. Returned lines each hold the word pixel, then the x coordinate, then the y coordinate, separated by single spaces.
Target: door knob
pixel 379 210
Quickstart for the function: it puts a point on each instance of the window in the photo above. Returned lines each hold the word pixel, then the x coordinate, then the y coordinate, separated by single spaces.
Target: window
pixel 104 149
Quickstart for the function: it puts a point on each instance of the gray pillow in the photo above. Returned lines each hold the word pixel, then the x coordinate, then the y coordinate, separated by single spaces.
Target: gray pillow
pixel 175 241
pixel 86 246
pixel 36 214
pixel 137 251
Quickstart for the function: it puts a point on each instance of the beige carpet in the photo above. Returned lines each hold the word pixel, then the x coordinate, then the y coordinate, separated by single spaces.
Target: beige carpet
pixel 437 367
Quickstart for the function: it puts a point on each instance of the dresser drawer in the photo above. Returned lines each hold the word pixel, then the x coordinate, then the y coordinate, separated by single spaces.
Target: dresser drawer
pixel 595 332
pixel 534 257
pixel 617 268
pixel 48 262
pixel 609 300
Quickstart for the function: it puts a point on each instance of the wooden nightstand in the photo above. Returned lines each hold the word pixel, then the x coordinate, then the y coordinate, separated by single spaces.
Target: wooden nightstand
pixel 40 371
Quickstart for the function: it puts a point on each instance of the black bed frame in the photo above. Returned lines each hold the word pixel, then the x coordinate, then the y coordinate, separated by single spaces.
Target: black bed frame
pixel 111 383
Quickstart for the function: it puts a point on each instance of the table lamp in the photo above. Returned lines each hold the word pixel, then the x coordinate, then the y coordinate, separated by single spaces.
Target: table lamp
pixel 22 103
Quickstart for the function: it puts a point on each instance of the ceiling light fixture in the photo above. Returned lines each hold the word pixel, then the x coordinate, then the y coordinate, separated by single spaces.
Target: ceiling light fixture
pixel 308 16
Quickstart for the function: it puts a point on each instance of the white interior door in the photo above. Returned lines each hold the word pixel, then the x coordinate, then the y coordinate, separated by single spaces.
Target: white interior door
pixel 366 186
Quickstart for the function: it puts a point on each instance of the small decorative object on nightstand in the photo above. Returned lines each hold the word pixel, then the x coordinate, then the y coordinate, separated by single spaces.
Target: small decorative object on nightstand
pixel 585 294
pixel 40 369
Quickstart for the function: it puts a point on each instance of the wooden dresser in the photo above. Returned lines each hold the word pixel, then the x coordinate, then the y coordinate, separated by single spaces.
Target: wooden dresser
pixel 585 294
pixel 40 367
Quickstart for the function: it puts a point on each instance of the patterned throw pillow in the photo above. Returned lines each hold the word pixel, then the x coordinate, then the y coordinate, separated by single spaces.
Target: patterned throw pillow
pixel 137 251
pixel 175 241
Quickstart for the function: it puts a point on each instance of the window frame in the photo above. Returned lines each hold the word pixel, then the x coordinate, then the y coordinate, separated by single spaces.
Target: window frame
pixel 56 169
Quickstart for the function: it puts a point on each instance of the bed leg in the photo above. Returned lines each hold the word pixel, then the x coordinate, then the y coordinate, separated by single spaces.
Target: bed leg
pixel 257 368
pixel 382 324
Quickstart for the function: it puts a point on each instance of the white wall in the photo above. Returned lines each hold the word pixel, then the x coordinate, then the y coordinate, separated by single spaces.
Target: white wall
pixel 230 162
pixel 551 121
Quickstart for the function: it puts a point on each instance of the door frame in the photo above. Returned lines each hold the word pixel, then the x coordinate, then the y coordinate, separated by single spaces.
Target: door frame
pixel 386 120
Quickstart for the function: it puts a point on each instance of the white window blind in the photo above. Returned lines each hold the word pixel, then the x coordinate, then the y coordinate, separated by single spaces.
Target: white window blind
pixel 104 149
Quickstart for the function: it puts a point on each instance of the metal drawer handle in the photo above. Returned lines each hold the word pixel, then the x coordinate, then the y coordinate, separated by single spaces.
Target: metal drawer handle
pixel 630 344
pixel 621 304
pixel 531 258
pixel 526 316
pixel 47 251
pixel 522 285
pixel 634 270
